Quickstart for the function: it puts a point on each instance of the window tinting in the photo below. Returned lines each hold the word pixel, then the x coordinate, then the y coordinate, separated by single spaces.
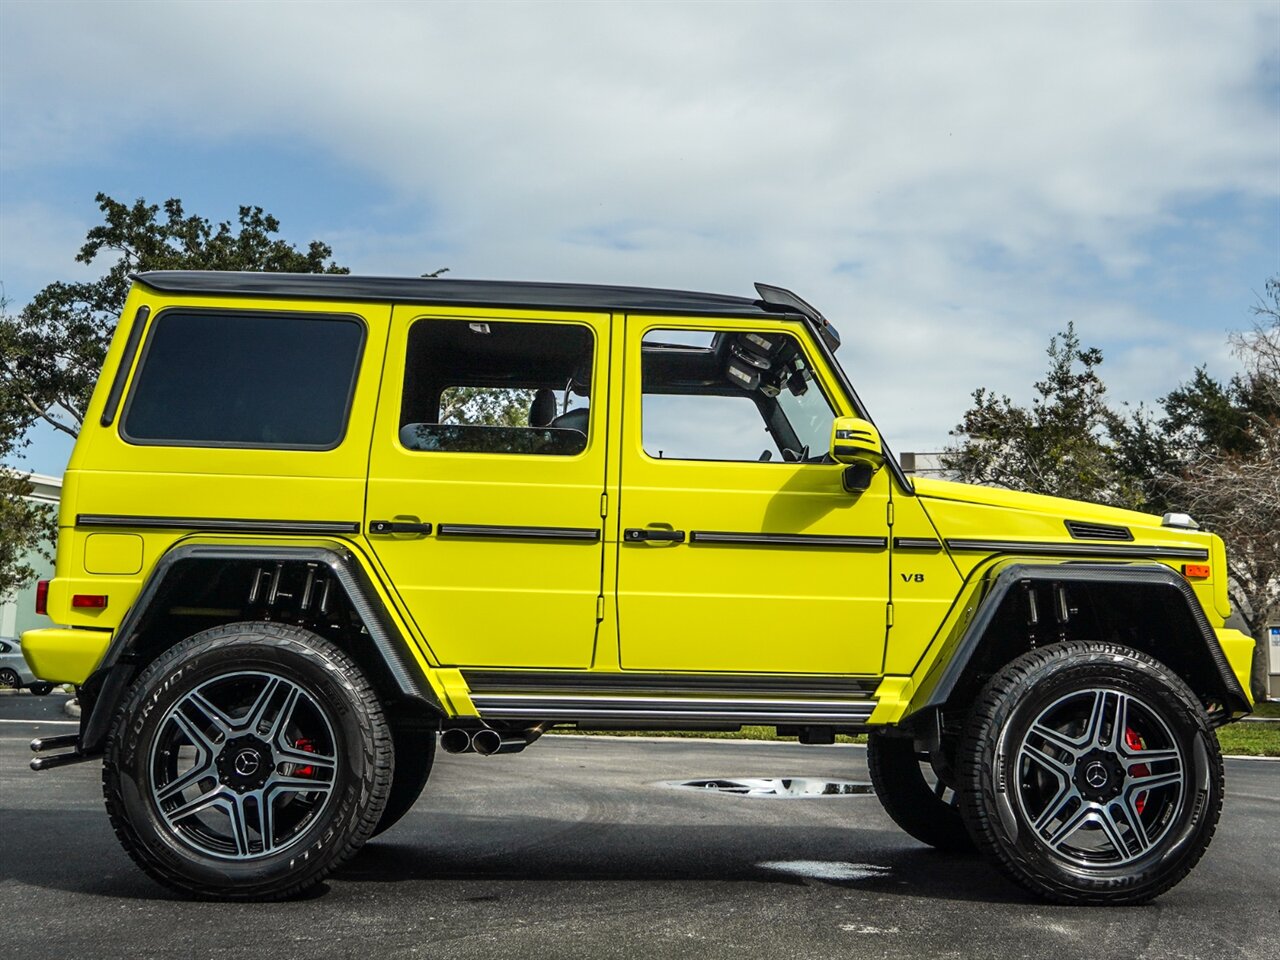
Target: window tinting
pixel 245 380
pixel 493 386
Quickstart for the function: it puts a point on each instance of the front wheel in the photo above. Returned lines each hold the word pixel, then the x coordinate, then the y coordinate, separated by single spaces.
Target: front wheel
pixel 9 679
pixel 247 762
pixel 1090 775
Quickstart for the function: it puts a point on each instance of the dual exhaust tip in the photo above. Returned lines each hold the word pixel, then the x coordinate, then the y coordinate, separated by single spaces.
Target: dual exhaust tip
pixel 487 742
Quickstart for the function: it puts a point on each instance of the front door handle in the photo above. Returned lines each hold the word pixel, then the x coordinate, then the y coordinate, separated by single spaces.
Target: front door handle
pixel 640 534
pixel 398 526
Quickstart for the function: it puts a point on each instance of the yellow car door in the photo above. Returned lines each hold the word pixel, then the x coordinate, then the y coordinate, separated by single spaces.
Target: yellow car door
pixel 740 550
pixel 486 478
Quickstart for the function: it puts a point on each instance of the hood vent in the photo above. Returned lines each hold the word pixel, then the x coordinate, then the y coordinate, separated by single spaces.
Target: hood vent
pixel 1097 531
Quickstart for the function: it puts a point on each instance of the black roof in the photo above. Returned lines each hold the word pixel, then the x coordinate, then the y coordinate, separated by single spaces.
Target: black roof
pixel 479 293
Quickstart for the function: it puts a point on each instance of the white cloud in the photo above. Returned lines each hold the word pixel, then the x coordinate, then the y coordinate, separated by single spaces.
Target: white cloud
pixel 928 174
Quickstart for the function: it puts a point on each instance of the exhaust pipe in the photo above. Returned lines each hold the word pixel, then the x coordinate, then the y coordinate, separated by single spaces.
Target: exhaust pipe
pixel 456 740
pixel 489 743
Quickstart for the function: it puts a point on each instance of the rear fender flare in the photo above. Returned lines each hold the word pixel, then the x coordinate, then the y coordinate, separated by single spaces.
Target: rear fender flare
pixel 103 691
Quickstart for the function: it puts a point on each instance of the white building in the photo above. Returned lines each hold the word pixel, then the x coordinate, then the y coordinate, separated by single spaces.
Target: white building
pixel 18 613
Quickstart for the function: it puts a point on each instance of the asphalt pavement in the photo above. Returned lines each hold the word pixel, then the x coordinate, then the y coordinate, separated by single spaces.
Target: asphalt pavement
pixel 579 848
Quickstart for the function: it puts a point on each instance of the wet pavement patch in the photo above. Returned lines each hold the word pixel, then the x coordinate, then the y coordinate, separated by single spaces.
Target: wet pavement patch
pixel 777 788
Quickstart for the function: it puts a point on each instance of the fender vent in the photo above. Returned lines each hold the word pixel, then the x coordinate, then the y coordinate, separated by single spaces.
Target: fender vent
pixel 1097 531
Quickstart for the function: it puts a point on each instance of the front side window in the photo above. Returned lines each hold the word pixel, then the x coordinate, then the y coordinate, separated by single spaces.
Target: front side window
pixel 245 379
pixel 502 387
pixel 731 395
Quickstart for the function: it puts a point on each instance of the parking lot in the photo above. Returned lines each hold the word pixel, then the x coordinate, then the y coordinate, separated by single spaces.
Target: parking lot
pixel 580 848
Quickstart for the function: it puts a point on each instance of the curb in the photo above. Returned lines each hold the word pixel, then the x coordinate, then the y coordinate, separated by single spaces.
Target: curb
pixel 72 708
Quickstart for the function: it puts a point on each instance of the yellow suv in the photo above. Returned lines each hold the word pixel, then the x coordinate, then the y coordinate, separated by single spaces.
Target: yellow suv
pixel 315 525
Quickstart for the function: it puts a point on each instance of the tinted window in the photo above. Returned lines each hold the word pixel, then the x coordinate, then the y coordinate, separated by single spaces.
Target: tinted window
pixel 497 387
pixel 245 380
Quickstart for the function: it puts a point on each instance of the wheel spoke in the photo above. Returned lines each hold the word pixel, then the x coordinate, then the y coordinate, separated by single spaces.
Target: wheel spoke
pixel 283 784
pixel 1049 762
pixel 1153 780
pixel 217 797
pixel 1056 809
pixel 287 754
pixel 235 809
pixel 215 715
pixel 1083 815
pixel 1107 705
pixel 203 770
pixel 1147 758
pixel 195 736
pixel 262 818
pixel 260 719
pixel 1137 829
pixel 1057 739
pixel 1105 819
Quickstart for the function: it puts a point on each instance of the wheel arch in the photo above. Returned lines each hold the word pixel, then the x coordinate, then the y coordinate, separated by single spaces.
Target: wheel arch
pixel 1146 606
pixel 174 603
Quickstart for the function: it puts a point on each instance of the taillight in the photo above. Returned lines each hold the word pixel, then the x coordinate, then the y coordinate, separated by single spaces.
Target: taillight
pixel 42 597
pixel 94 601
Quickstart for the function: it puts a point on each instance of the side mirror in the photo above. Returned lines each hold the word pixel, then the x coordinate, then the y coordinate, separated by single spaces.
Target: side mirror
pixel 856 443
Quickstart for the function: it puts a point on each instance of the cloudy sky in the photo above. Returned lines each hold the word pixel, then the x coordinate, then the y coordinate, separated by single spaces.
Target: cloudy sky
pixel 950 183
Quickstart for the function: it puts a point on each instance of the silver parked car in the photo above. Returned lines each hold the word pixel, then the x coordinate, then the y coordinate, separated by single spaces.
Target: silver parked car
pixel 14 672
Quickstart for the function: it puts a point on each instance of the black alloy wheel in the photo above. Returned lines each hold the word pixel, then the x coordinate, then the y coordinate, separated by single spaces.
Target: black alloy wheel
pixel 247 762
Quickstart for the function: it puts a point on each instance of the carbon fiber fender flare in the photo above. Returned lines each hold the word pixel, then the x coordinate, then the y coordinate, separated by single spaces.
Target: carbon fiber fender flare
pixel 102 692
pixel 959 649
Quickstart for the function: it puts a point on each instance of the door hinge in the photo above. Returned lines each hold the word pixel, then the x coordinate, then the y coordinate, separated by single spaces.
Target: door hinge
pixel 599 609
pixel 889 513
pixel 888 614
pixel 604 504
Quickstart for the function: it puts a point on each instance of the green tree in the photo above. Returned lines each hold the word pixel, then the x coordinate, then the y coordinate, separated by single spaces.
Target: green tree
pixel 1224 468
pixel 52 349
pixel 1060 445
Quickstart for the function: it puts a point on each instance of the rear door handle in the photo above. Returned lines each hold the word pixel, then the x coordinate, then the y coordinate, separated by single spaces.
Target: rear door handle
pixel 640 534
pixel 398 526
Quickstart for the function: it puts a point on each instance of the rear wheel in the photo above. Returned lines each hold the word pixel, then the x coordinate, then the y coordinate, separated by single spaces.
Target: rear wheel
pixel 1090 775
pixel 40 688
pixel 247 762
pixel 913 794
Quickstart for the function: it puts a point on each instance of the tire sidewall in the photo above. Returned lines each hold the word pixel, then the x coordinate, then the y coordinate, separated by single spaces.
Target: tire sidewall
pixel 172 677
pixel 1159 691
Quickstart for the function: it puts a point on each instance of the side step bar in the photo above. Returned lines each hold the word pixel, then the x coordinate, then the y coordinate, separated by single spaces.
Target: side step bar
pixel 525 706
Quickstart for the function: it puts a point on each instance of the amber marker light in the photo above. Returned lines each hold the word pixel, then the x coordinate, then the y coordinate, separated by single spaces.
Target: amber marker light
pixel 1196 571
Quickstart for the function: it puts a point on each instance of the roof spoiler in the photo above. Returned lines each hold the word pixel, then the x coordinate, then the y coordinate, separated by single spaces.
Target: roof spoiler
pixel 780 298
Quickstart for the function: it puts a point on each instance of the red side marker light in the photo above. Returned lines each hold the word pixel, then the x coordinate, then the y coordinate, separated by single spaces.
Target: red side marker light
pixel 42 597
pixel 95 601
pixel 1196 571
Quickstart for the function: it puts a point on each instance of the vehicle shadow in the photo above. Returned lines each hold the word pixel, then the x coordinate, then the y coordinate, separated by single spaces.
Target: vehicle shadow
pixel 540 849
pixel 75 851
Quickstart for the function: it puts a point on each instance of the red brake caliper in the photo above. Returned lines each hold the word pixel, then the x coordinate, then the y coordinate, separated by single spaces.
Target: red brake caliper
pixel 302 743
pixel 1134 742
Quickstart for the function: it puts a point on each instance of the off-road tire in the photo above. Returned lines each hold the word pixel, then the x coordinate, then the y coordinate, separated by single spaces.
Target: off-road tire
pixel 363 762
pixel 415 754
pixel 908 798
pixel 1028 689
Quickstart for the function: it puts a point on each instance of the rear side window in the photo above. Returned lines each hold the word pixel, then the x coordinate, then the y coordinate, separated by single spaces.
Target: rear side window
pixel 245 379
